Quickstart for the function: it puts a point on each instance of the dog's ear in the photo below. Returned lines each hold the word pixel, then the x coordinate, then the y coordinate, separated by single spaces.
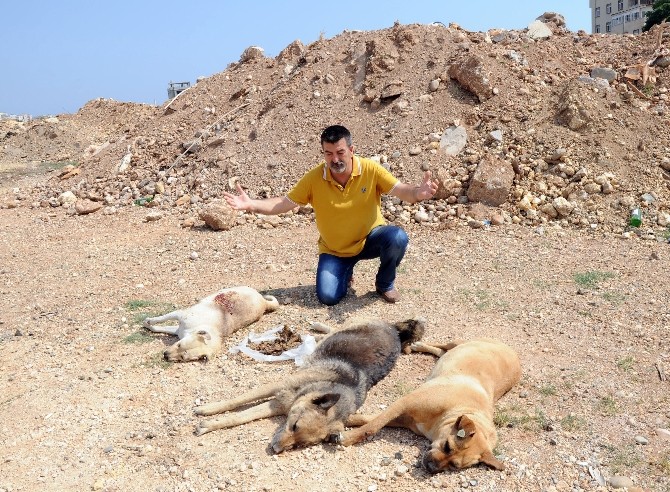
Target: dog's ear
pixel 325 401
pixel 204 336
pixel 465 427
pixel 491 461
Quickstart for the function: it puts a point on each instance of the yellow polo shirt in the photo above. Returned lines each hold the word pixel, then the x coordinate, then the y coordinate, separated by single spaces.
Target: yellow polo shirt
pixel 344 215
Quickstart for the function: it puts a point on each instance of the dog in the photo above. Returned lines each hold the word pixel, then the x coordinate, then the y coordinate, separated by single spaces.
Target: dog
pixel 454 407
pixel 330 386
pixel 203 326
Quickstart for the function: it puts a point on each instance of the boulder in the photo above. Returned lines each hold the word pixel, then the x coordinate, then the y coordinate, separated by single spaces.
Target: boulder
pixel 469 73
pixel 218 215
pixel 491 182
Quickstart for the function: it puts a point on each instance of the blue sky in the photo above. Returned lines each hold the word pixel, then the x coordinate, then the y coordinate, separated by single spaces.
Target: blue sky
pixel 58 55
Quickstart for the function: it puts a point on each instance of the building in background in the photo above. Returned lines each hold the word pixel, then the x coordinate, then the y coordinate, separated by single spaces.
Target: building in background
pixel 619 16
pixel 174 88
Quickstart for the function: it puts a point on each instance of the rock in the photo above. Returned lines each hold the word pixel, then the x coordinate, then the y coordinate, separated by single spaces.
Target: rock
pixel 497 219
pixel 188 222
pixel 470 74
pixel 573 111
pixel 153 216
pixel 84 207
pixel 434 85
pixel 421 215
pixel 552 18
pixel 67 198
pixel 192 146
pixel 454 139
pixel 491 182
pixel 619 482
pixel 496 135
pixel 663 434
pixel 251 53
pixel 183 200
pixel 641 440
pixel 292 52
pixel 563 207
pixel 549 210
pixel 218 215
pixel 392 90
pixel 604 73
pixel 124 164
pixel 539 30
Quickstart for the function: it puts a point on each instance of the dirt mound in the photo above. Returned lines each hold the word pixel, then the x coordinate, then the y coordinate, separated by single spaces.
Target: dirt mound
pixel 88 400
pixel 584 151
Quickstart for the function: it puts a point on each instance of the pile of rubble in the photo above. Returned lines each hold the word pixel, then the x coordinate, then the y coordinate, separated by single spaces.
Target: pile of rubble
pixel 534 126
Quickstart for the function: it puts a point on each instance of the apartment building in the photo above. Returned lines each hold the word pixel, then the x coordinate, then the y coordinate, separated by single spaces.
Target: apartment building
pixel 619 16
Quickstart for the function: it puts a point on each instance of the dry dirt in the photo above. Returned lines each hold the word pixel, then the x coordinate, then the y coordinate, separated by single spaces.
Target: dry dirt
pixel 87 403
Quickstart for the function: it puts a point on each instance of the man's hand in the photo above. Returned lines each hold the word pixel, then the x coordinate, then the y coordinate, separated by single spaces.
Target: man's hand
pixel 241 201
pixel 427 188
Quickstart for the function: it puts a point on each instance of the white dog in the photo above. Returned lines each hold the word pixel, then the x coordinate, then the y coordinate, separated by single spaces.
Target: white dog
pixel 203 326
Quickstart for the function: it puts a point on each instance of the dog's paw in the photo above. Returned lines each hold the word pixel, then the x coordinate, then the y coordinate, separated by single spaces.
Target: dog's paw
pixel 335 438
pixel 349 438
pixel 416 346
pixel 208 409
pixel 202 429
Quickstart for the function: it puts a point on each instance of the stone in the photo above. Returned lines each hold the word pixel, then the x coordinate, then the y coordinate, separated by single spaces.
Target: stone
pixel 663 434
pixel 67 198
pixel 604 73
pixel 619 482
pixel 251 53
pixel 553 18
pixel 470 73
pixel 563 207
pixel 453 141
pixel 183 200
pixel 192 146
pixel 539 30
pixel 218 215
pixel 573 112
pixel 292 52
pixel 85 207
pixel 392 90
pixel 491 182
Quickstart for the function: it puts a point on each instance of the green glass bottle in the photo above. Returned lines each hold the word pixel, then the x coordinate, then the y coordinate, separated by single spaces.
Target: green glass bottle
pixel 635 218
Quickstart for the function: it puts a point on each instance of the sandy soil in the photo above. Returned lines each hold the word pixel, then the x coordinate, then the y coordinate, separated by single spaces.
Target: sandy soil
pixel 88 402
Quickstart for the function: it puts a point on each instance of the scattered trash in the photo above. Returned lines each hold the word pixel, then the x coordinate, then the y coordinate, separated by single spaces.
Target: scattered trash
pixel 298 353
pixel 635 218
pixel 144 200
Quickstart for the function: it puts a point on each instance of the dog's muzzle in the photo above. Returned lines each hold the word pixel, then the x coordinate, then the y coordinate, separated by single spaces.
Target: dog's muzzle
pixel 429 464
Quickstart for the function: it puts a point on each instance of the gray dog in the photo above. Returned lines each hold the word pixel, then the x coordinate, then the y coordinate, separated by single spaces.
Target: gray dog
pixel 331 385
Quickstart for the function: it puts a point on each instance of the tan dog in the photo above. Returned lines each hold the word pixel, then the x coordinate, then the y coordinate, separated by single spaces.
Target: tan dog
pixel 203 326
pixel 454 407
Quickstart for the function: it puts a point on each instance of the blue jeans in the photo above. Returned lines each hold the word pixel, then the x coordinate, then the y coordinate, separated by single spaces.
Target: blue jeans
pixel 388 243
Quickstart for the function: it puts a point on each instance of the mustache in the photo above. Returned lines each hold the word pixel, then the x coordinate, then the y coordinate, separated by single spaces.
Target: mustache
pixel 338 165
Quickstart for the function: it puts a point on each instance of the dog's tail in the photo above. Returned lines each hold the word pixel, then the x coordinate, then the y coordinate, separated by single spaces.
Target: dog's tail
pixel 271 303
pixel 410 331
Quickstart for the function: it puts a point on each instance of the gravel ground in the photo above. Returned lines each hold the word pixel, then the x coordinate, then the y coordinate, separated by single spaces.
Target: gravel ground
pixel 88 403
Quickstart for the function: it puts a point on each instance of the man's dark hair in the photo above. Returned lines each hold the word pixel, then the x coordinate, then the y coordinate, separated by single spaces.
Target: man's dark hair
pixel 335 133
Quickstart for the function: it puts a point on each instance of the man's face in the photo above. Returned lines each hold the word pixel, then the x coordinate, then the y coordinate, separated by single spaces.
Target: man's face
pixel 339 156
